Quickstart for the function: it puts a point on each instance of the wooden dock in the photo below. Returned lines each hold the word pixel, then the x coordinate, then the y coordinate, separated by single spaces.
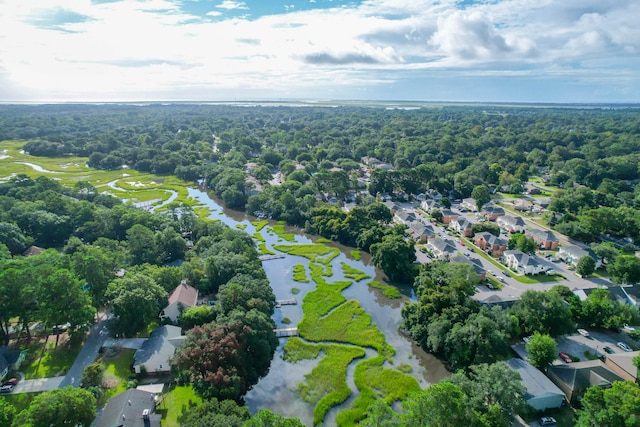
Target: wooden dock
pixel 269 257
pixel 282 302
pixel 286 332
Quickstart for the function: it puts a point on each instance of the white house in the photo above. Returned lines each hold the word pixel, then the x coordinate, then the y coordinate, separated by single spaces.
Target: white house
pixel 429 205
pixel 181 298
pixel 514 224
pixel 523 263
pixel 462 226
pixel 469 204
pixel 572 254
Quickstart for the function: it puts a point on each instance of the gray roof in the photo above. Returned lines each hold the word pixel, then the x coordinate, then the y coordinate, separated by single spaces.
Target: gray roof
pixel 536 382
pixel 422 229
pixel 159 347
pixel 496 210
pixel 491 239
pixel 579 376
pixel 448 212
pixel 125 410
pixel 473 262
pixel 443 245
pixel 543 235
pixel 406 216
pixel 523 259
pixel 514 221
pixel 464 223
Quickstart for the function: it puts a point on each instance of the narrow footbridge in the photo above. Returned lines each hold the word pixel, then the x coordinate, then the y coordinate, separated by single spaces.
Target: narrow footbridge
pixel 269 257
pixel 292 301
pixel 286 332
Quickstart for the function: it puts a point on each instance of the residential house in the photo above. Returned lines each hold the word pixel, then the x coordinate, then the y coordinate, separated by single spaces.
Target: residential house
pixel 448 216
pixel 513 224
pixel 572 254
pixel 461 226
pixel 422 232
pixel 523 263
pixel 441 248
pixel 617 293
pixel 32 251
pixel 10 360
pixel 541 392
pixel 429 205
pixel 490 243
pixel 181 298
pixel 491 299
pixel 433 194
pixel 492 213
pixel 531 188
pixel 633 293
pixel 522 205
pixel 544 239
pixel 475 263
pixel 575 378
pixel 392 207
pixel 153 357
pixel 469 204
pixel 622 364
pixel 404 217
pixel 131 408
pixel 420 197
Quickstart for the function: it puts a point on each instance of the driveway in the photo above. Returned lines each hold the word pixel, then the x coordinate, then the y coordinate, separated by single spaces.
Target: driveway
pixel 40 384
pixel 131 343
pixel 96 339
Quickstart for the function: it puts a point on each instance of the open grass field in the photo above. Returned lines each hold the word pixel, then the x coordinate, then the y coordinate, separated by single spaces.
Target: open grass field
pixel 128 184
pixel 45 361
pixel 175 402
pixel 117 372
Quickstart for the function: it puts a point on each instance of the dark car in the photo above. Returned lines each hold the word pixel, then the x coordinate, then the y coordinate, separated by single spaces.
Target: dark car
pixel 12 381
pixel 565 357
pixel 6 388
pixel 608 350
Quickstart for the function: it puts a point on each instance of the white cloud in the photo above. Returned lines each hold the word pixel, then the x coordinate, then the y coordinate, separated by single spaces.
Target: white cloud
pixel 132 46
pixel 230 5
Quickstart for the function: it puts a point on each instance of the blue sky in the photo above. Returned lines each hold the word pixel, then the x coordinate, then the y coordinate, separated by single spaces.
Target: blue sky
pixel 569 51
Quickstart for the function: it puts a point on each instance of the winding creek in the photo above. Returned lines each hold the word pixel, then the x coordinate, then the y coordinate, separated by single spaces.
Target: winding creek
pixel 277 390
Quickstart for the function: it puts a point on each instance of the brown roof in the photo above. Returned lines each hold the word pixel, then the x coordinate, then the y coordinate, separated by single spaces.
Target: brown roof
pixel 188 295
pixel 33 250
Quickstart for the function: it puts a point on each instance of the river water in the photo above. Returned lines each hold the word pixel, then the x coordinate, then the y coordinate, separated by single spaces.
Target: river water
pixel 277 390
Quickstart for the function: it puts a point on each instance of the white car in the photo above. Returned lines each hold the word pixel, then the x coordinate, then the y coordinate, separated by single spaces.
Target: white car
pixel 624 346
pixel 628 328
pixel 583 332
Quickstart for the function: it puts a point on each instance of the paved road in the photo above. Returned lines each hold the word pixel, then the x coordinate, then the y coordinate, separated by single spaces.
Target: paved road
pixel 97 336
pixel 40 384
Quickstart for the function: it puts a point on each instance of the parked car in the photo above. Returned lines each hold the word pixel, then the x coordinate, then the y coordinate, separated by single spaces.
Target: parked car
pixel 526 339
pixel 551 272
pixel 547 421
pixel 11 381
pixel 608 350
pixel 502 279
pixel 493 273
pixel 565 357
pixel 6 388
pixel 624 346
pixel 627 328
pixel 490 286
pixel 506 273
pixel 583 332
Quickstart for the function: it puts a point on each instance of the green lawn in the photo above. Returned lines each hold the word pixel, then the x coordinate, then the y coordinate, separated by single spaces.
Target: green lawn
pixel 53 363
pixel 117 373
pixel 175 402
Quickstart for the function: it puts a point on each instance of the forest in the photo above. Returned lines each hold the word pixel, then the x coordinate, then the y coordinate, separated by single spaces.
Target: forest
pixel 301 165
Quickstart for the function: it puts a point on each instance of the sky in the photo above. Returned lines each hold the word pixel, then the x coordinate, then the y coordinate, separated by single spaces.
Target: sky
pixel 557 51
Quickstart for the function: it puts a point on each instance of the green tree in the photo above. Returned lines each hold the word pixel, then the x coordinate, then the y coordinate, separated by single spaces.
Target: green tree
pixel 196 316
pixel 543 312
pixel 482 195
pixel 615 406
pixel 625 269
pixel 395 257
pixel 492 389
pixel 141 245
pixel 380 414
pixel 7 412
pixel 586 266
pixel 542 350
pixel 92 375
pixel 137 300
pixel 214 413
pixel 266 418
pixel 63 407
pixel 440 405
pixel 522 243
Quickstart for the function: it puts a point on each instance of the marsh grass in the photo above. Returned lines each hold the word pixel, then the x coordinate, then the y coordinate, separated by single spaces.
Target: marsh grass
pixel 388 291
pixel 260 224
pixel 300 274
pixel 279 231
pixel 258 237
pixel 353 273
pixel 355 254
pixel 323 240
